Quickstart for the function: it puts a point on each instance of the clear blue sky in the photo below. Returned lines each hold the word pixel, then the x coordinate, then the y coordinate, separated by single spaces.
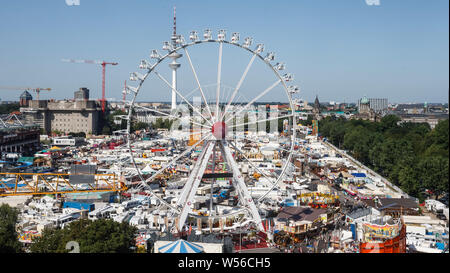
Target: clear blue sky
pixel 340 50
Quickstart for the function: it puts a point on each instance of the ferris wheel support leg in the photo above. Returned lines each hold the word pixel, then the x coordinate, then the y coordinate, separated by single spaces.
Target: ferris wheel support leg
pixel 192 189
pixel 187 187
pixel 241 187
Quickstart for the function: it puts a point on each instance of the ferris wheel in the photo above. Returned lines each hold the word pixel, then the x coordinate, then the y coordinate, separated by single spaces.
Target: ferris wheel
pixel 216 123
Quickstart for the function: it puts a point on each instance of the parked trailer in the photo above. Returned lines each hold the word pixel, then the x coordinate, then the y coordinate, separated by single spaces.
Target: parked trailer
pixel 78 205
pixel 66 219
pixel 102 213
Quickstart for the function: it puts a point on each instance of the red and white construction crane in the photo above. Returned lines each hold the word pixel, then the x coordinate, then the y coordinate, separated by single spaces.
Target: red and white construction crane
pixel 103 64
pixel 36 90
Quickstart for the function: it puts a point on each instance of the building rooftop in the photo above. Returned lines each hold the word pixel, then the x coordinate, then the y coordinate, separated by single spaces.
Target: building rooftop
pixel 300 213
pixel 26 95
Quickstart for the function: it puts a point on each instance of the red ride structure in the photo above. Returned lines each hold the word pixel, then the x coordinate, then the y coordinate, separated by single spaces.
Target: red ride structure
pixel 395 244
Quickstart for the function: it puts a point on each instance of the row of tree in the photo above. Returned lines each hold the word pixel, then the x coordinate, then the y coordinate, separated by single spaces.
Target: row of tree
pixel 8 108
pixel 110 124
pixel 411 155
pixel 99 236
pixel 165 123
pixel 9 242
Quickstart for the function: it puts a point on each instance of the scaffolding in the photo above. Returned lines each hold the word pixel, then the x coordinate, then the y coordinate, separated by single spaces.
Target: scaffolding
pixel 55 183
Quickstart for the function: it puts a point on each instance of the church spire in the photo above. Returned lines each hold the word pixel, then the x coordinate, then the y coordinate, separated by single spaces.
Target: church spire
pixel 316 102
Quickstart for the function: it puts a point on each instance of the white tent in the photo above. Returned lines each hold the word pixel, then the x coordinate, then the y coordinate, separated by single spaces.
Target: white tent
pixel 147 170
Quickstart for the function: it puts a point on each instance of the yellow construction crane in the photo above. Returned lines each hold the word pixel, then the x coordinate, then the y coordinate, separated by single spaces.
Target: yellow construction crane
pixel 36 90
pixel 55 183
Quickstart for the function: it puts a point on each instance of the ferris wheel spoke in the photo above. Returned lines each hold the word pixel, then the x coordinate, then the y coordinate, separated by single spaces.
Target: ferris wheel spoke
pixel 142 185
pixel 283 171
pixel 251 163
pixel 260 142
pixel 177 158
pixel 171 116
pixel 178 93
pixel 219 74
pixel 198 82
pixel 238 86
pixel 237 107
pixel 256 98
pixel 258 121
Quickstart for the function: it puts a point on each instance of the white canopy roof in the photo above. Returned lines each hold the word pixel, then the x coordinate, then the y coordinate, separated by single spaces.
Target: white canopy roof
pixel 148 169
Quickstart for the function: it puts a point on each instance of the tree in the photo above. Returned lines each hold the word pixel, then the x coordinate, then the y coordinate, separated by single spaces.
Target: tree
pixel 408 180
pixel 110 123
pixel 433 171
pixel 79 134
pixel 139 126
pixel 9 242
pixel 99 236
pixel 389 122
pixel 8 108
pixel 436 141
pixel 161 123
pixel 411 155
pixel 106 130
pixel 50 241
pixel 308 121
pixel 57 132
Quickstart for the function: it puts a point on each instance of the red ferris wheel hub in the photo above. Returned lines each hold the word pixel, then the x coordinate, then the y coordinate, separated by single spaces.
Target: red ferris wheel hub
pixel 219 130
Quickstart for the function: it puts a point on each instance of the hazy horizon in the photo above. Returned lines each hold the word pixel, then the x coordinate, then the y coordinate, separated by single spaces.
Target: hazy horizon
pixel 338 50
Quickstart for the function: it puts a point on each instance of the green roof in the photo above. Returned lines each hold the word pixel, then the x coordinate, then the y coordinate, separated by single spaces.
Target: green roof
pixel 26 159
pixel 364 100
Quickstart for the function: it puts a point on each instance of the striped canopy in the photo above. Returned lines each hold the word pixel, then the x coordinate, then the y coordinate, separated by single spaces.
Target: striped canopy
pixel 181 246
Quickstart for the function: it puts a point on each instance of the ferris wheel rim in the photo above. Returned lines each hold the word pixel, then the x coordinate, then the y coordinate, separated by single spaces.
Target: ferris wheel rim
pixel 143 182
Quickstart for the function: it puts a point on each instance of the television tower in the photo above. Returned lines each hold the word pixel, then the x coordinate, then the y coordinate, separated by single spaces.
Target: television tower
pixel 174 56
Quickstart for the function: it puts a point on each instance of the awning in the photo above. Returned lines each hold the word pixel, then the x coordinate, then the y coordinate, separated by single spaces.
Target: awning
pixel 359 174
pixel 26 159
pixel 181 246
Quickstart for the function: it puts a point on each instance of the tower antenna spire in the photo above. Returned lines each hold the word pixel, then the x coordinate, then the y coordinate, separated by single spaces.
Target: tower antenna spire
pixel 174 20
pixel 174 56
pixel 174 35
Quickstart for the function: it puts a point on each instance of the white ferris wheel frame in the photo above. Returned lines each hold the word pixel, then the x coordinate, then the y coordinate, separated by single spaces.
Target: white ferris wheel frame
pixel 255 53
